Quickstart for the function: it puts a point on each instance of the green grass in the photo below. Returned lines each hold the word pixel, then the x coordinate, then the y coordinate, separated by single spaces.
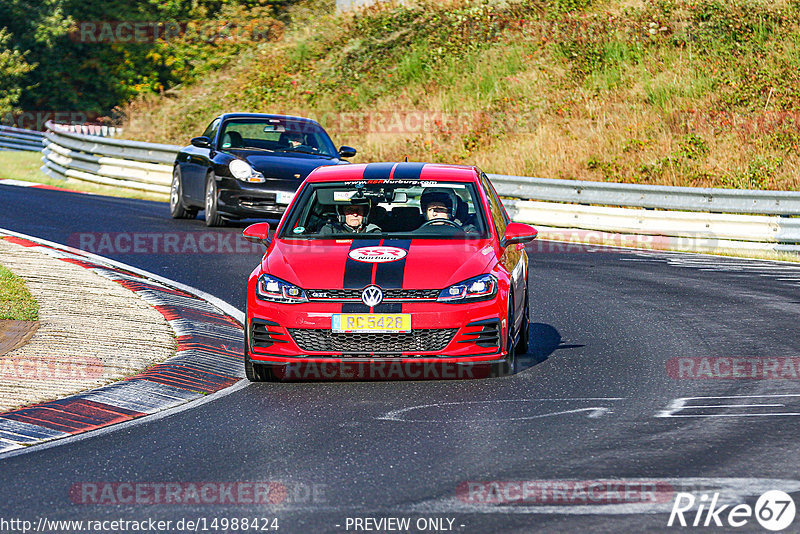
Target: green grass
pixel 561 82
pixel 25 166
pixel 16 302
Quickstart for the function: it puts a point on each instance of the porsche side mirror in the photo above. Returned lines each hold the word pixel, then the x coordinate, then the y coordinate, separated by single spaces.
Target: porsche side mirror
pixel 201 142
pixel 257 233
pixel 518 233
pixel 347 151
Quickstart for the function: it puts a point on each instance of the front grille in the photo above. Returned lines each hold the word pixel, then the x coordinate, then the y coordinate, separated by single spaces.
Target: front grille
pixel 267 201
pixel 388 294
pixel 263 334
pixel 423 340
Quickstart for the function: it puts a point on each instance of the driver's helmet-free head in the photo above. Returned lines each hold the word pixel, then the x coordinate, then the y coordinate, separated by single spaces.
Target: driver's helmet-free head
pixel 292 137
pixel 445 195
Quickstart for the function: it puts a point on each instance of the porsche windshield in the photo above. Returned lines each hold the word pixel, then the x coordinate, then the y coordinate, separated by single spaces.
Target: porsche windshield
pixel 276 135
pixel 442 210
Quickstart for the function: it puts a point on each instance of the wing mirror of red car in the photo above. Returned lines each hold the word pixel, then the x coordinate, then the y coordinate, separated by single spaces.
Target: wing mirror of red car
pixel 257 233
pixel 518 233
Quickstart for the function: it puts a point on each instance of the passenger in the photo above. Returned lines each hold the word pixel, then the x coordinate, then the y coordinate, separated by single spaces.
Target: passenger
pixel 352 220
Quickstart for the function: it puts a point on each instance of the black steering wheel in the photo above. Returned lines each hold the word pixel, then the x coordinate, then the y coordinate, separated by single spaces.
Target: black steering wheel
pixel 441 221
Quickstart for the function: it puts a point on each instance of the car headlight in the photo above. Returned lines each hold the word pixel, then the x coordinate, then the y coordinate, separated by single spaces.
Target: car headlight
pixel 241 170
pixel 276 290
pixel 481 287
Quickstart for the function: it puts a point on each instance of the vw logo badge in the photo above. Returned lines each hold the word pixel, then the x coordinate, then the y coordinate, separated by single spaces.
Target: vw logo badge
pixel 372 296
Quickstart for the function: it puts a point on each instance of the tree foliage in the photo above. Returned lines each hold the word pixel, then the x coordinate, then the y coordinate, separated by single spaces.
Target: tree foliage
pixel 46 64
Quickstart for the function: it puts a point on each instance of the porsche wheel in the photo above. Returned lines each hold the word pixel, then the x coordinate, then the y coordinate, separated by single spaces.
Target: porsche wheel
pixel 213 218
pixel 176 207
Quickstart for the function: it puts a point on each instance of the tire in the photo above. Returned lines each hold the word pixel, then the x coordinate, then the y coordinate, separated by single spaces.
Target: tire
pixel 212 216
pixel 176 208
pixel 524 334
pixel 256 372
pixel 509 366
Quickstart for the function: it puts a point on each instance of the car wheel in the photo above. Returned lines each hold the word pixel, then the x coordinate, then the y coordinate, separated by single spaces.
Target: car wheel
pixel 176 207
pixel 524 334
pixel 213 218
pixel 257 372
pixel 509 366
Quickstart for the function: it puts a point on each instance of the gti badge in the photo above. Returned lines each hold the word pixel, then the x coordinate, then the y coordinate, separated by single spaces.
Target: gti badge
pixel 372 296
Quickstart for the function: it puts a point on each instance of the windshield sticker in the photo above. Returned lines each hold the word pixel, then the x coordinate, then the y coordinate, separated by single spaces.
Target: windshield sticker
pixel 420 183
pixel 377 254
pixel 299 230
pixel 343 196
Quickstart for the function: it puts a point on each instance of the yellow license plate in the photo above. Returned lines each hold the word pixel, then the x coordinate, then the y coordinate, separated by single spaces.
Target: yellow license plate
pixel 371 322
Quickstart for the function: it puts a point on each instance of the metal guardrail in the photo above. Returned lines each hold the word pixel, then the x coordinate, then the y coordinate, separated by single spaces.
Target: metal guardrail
pixel 738 219
pixel 115 162
pixel 90 129
pixel 20 139
pixel 649 196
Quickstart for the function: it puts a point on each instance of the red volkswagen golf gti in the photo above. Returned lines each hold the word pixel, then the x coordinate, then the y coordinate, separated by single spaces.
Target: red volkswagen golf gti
pixel 390 266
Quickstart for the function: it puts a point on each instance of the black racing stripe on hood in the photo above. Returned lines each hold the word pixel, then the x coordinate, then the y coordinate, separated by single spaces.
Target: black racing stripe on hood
pixel 408 171
pixel 389 275
pixel 358 275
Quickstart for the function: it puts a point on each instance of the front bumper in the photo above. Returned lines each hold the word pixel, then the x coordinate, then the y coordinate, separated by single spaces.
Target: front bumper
pixel 441 333
pixel 242 199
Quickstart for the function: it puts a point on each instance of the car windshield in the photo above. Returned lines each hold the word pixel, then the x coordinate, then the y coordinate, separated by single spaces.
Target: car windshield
pixel 276 135
pixel 413 208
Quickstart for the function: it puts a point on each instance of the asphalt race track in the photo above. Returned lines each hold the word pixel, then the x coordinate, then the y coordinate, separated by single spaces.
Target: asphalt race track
pixel 600 400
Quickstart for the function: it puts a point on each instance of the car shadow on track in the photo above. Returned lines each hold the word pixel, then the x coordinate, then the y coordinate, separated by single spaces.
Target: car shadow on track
pixel 545 340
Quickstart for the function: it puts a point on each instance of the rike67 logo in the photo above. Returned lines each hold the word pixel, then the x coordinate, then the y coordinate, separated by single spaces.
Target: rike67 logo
pixel 774 510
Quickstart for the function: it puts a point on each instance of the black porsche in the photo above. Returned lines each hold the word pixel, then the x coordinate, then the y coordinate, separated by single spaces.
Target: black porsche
pixel 248 165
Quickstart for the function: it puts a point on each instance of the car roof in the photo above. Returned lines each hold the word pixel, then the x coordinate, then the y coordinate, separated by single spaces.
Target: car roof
pixel 264 116
pixel 426 171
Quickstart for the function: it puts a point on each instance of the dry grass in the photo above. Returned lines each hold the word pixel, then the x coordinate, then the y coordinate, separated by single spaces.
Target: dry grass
pixel 656 114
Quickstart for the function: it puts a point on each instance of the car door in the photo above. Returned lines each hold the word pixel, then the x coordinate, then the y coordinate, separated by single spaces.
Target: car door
pixel 195 164
pixel 513 257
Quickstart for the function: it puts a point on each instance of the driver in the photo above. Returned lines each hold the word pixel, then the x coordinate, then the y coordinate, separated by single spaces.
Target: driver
pixel 439 208
pixel 352 220
pixel 437 204
pixel 295 139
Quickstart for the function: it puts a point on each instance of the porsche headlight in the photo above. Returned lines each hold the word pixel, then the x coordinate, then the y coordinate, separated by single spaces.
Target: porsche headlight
pixel 481 287
pixel 241 170
pixel 276 290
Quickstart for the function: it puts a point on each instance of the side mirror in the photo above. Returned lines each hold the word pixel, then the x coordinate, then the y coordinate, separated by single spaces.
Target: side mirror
pixel 518 233
pixel 347 151
pixel 257 233
pixel 201 142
